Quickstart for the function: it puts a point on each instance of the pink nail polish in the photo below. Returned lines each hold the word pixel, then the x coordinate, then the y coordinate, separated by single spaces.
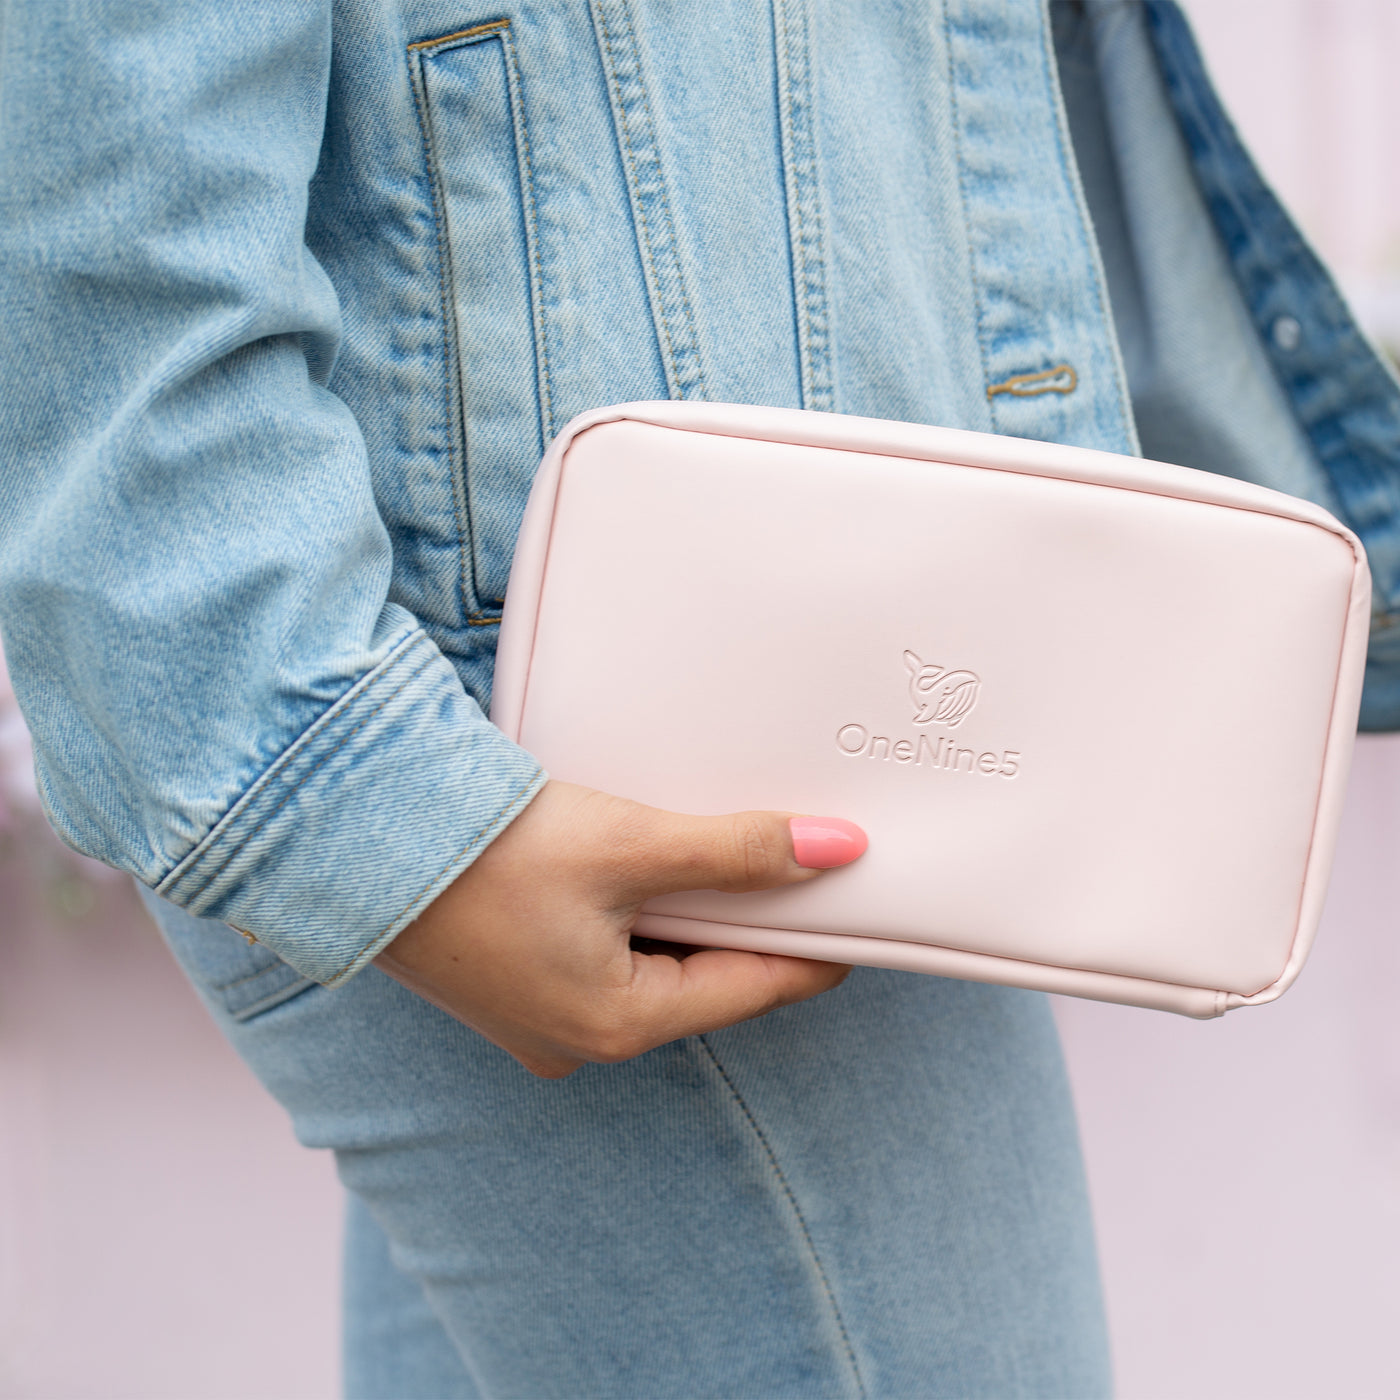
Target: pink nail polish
pixel 822 842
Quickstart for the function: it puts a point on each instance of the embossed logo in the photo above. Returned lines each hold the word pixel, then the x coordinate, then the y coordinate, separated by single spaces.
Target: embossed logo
pixel 940 696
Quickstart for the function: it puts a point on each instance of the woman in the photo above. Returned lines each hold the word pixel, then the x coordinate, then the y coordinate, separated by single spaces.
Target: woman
pixel 295 297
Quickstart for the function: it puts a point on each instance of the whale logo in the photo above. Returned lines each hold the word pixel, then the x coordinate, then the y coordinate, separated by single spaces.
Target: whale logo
pixel 939 696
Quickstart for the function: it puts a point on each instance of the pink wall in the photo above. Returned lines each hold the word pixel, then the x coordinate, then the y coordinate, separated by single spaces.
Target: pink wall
pixel 1246 1173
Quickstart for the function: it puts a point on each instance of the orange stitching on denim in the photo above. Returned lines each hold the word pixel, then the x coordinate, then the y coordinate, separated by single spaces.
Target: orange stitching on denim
pixel 1023 386
pixel 503 818
pixel 494 25
pixel 478 620
pixel 315 766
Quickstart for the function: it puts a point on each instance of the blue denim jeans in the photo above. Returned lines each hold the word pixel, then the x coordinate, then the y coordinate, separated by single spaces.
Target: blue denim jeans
pixel 875 1193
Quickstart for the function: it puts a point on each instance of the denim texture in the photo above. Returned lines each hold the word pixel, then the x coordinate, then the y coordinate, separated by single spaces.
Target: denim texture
pixel 876 1193
pixel 1344 395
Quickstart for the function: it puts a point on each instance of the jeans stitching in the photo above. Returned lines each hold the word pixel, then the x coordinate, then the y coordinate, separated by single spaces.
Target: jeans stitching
pixel 499 30
pixel 1088 244
pixel 455 423
pixel 657 282
pixel 966 209
pixel 804 205
pixel 796 1209
pixel 614 84
pixel 664 198
pixel 526 177
pixel 474 32
pixel 253 976
pixel 303 741
pixel 280 997
pixel 315 766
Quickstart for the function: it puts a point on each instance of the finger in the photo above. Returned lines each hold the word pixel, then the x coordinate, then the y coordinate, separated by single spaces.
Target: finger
pixel 669 999
pixel 743 851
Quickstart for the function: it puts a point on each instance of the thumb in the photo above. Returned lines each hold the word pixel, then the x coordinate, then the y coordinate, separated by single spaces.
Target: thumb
pixel 747 851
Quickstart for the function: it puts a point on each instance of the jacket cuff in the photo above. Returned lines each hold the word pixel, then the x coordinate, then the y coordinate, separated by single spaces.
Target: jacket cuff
pixel 363 821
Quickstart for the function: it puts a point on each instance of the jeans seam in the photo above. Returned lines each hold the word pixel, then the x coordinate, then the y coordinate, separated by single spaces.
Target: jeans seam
pixel 314 766
pixel 476 31
pixel 803 190
pixel 977 297
pixel 455 420
pixel 660 294
pixel 791 1197
pixel 499 31
pixel 526 176
pixel 1088 243
pixel 252 976
pixel 666 200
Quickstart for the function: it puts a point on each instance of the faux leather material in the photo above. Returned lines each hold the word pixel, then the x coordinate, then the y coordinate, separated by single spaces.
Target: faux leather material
pixel 1094 712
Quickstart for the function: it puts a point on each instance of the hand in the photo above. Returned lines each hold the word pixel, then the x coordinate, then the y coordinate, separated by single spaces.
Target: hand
pixel 531 945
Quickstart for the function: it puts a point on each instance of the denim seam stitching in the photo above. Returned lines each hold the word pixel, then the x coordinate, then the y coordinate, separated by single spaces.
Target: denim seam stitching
pixel 526 176
pixel 973 275
pixel 315 766
pixel 308 736
pixel 1088 242
pixel 665 199
pixel 503 818
pixel 253 976
pixel 476 31
pixel 477 616
pixel 796 1210
pixel 455 423
pixel 641 208
pixel 280 997
pixel 639 203
pixel 312 768
pixel 803 190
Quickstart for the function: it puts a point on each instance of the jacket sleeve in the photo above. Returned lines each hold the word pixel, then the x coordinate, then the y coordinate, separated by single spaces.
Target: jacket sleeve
pixel 194 579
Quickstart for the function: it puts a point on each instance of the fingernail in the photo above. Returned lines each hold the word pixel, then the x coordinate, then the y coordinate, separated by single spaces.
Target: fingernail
pixel 822 842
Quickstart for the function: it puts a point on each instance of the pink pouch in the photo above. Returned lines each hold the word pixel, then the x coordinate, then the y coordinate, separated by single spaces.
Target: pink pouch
pixel 1095 713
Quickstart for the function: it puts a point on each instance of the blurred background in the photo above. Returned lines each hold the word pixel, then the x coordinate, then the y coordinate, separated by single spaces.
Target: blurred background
pixel 1246 1172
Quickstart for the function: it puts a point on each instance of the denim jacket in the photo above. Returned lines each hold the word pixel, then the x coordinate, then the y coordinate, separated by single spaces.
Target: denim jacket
pixel 294 294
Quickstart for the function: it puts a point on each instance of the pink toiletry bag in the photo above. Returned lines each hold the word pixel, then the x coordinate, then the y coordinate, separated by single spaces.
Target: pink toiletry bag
pixel 1095 713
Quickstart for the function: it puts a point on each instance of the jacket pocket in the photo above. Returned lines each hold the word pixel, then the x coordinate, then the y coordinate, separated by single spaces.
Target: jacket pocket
pixel 241 979
pixel 478 150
